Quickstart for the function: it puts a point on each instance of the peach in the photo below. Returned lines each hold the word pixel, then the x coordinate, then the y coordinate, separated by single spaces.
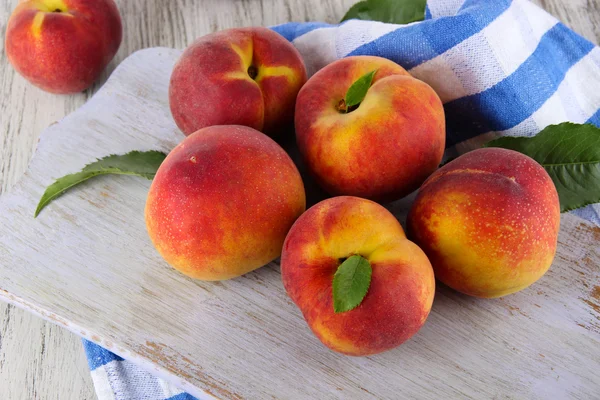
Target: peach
pixel 62 46
pixel 488 221
pixel 244 76
pixel 222 202
pixel 402 285
pixel 382 150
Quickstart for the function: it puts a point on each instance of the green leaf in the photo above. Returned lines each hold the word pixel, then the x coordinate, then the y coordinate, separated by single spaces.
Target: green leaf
pixel 390 11
pixel 357 92
pixel 351 283
pixel 144 164
pixel 571 155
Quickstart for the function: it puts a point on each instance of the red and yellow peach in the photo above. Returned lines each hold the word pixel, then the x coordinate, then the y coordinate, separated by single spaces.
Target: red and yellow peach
pixel 402 285
pixel 222 202
pixel 382 150
pixel 488 221
pixel 62 46
pixel 244 76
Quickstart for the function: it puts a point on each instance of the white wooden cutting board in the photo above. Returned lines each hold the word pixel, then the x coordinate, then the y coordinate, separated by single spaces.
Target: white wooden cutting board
pixel 86 263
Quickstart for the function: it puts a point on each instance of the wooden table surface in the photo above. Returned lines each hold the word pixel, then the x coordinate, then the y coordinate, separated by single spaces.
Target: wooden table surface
pixel 37 359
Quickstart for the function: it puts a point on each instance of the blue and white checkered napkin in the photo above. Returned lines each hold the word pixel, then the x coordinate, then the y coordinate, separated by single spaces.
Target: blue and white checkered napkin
pixel 501 67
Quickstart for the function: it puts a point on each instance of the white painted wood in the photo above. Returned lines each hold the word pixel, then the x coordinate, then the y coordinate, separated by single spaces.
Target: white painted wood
pixel 25 111
pixel 34 360
pixel 86 263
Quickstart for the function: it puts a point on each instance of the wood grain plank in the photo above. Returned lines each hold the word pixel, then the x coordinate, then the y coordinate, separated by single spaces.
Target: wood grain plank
pixel 25 111
pixel 583 16
pixel 39 360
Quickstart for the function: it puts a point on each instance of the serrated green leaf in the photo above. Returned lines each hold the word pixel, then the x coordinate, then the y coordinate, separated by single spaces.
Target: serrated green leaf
pixel 570 153
pixel 357 92
pixel 390 11
pixel 144 164
pixel 351 283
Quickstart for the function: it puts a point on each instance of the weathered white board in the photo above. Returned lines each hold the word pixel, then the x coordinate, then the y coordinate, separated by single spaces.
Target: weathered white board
pixel 86 263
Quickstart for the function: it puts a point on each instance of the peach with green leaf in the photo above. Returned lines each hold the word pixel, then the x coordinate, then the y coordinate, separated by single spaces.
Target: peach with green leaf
pixel 366 128
pixel 361 285
pixel 242 76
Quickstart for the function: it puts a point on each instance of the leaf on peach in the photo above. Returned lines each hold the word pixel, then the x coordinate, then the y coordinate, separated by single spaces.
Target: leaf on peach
pixel 351 283
pixel 357 92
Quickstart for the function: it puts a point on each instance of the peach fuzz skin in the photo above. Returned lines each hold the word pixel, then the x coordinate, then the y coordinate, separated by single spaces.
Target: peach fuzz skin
pixel 384 149
pixel 488 222
pixel 244 76
pixel 402 284
pixel 62 46
pixel 222 202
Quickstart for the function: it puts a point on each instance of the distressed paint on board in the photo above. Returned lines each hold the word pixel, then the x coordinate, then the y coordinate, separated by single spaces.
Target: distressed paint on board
pixel 27 110
pixel 87 262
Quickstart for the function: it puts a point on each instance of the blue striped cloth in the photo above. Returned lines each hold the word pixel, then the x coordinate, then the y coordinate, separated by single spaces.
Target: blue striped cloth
pixel 118 379
pixel 501 67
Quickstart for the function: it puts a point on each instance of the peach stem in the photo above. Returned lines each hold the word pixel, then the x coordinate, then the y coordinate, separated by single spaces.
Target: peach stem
pixel 343 109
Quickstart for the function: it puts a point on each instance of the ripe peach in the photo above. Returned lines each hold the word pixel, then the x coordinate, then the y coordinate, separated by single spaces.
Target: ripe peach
pixel 402 283
pixel 382 150
pixel 62 46
pixel 222 202
pixel 244 76
pixel 488 221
